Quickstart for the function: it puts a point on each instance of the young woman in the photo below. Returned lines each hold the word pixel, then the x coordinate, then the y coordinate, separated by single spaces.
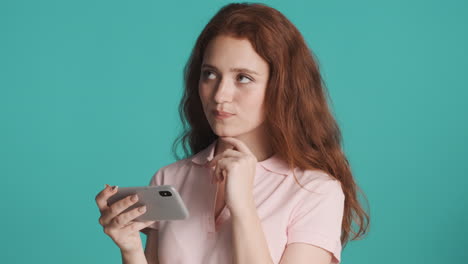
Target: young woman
pixel 265 179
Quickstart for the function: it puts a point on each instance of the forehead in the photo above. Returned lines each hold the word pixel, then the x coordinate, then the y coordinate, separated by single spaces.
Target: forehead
pixel 226 52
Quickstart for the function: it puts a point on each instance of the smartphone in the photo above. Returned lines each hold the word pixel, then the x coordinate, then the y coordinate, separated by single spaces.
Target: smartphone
pixel 163 202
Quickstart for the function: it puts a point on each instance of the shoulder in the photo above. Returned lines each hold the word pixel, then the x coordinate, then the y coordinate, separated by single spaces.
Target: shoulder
pixel 180 167
pixel 317 181
pixel 176 166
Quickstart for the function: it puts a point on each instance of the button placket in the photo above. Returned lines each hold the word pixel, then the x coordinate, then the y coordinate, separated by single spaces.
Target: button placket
pixel 210 217
pixel 209 224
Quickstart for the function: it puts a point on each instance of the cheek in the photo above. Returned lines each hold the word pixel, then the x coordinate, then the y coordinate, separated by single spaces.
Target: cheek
pixel 203 92
pixel 252 104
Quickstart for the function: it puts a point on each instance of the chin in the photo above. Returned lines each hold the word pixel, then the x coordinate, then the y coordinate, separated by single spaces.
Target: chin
pixel 231 130
pixel 225 133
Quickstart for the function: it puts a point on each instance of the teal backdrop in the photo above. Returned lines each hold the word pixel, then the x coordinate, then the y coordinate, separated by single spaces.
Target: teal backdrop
pixel 90 90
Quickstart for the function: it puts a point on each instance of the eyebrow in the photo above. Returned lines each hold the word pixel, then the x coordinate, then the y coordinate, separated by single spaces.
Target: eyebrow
pixel 233 69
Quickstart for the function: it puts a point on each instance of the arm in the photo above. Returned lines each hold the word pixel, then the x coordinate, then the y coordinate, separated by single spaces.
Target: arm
pixel 133 258
pixel 151 250
pixel 249 241
pixel 149 256
pixel 250 245
pixel 315 227
pixel 302 253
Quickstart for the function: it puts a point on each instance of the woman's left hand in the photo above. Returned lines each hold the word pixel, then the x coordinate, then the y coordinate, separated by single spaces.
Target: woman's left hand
pixel 237 166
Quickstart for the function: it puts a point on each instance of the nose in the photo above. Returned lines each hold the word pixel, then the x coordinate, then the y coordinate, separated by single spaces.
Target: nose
pixel 223 92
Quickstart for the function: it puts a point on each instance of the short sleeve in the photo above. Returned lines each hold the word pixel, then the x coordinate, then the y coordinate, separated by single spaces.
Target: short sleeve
pixel 317 219
pixel 156 180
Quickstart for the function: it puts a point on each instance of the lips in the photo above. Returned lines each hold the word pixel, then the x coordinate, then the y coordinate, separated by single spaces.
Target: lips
pixel 222 113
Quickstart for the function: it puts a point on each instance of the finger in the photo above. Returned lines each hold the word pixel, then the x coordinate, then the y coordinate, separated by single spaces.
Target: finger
pixel 215 159
pixel 220 177
pixel 212 175
pixel 225 154
pixel 118 207
pixel 215 175
pixel 238 144
pixel 222 167
pixel 124 219
pixel 224 175
pixel 137 226
pixel 102 196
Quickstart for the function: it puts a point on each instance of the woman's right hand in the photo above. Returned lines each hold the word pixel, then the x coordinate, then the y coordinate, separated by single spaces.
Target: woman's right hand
pixel 119 226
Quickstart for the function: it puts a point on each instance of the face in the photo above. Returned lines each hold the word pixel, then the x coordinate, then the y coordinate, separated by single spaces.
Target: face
pixel 233 79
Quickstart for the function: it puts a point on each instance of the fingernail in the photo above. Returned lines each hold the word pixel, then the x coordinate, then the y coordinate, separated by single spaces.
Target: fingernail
pixel 114 188
pixel 142 209
pixel 134 198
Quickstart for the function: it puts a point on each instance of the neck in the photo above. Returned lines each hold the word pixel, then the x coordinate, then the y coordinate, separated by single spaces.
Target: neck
pixel 258 145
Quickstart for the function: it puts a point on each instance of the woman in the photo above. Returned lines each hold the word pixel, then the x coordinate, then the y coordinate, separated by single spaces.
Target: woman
pixel 281 189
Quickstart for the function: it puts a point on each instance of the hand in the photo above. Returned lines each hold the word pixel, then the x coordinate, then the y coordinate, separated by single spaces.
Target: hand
pixel 119 226
pixel 237 166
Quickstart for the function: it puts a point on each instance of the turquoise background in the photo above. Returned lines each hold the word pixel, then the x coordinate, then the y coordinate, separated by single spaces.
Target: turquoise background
pixel 89 95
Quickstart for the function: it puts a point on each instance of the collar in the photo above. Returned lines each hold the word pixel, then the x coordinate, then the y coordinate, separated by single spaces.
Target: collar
pixel 274 163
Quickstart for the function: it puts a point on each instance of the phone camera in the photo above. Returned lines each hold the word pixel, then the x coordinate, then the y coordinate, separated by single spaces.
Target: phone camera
pixel 165 193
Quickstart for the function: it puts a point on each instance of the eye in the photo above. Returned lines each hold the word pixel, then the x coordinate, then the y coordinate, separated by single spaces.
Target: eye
pixel 247 79
pixel 207 74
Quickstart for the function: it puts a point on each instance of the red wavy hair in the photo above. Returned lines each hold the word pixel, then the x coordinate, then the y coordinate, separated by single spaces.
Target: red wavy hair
pixel 302 127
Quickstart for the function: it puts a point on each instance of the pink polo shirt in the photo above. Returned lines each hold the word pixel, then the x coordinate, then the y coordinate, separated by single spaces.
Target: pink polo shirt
pixel 287 212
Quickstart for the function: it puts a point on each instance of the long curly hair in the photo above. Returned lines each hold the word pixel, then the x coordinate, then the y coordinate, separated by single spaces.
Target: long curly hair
pixel 302 129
